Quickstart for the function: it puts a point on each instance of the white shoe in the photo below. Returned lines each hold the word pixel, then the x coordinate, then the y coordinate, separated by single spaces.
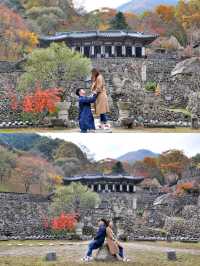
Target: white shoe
pixel 87 259
pixel 126 260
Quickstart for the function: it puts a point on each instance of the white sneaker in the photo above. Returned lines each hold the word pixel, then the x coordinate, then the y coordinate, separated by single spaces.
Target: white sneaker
pixel 87 259
pixel 126 260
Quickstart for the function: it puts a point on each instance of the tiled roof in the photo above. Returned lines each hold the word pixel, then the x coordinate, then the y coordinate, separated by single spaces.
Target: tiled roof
pixel 88 34
pixel 108 177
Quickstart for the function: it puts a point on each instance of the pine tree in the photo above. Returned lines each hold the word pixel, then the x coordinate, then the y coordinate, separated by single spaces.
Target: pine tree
pixel 119 22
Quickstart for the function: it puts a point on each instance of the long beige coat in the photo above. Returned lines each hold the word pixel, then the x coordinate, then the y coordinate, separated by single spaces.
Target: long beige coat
pixel 111 242
pixel 101 105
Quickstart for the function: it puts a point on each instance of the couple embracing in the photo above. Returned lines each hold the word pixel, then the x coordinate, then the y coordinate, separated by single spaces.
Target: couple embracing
pixel 100 101
pixel 114 246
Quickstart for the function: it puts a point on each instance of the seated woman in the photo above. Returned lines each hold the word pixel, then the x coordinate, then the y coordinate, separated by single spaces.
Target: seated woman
pixel 114 246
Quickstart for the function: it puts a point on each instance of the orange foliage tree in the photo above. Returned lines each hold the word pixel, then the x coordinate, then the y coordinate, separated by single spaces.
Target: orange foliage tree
pixel 64 222
pixel 32 170
pixel 42 100
pixel 173 161
pixel 166 12
pixel 16 39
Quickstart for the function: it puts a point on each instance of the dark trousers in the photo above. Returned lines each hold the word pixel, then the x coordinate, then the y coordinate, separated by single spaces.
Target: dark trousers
pixel 92 246
pixel 121 252
pixel 103 118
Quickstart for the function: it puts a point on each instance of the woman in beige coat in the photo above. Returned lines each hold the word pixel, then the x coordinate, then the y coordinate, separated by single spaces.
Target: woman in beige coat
pixel 114 246
pixel 101 105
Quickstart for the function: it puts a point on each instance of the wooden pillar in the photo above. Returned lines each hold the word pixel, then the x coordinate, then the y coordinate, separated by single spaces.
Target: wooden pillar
pixel 133 51
pixel 143 51
pixel 99 187
pixel 123 50
pixel 114 188
pixel 92 50
pixel 82 50
pixel 121 188
pixel 73 49
pixel 128 188
pixel 113 50
pixel 102 50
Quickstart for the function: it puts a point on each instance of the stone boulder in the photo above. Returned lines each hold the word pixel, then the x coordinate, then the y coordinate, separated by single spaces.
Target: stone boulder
pixel 104 255
pixel 188 66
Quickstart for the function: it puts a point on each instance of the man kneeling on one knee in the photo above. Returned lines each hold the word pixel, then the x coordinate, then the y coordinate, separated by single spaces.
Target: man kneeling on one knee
pixel 98 240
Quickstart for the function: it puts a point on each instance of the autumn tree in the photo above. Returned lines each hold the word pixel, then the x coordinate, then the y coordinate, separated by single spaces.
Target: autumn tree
pixel 72 198
pixel 174 161
pixel 34 170
pixel 16 39
pixel 7 163
pixel 53 67
pixel 165 12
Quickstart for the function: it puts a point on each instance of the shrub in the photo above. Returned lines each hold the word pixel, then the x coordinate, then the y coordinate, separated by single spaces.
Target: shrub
pixel 151 86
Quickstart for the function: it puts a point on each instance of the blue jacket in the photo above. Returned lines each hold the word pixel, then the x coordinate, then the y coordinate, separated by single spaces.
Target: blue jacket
pixel 100 236
pixel 86 119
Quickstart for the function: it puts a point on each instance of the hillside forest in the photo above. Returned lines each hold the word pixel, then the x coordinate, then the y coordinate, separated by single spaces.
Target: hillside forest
pixel 23 21
pixel 35 164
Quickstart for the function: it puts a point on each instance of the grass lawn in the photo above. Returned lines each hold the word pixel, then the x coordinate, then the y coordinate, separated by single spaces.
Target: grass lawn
pixel 140 253
pixel 138 259
pixel 114 130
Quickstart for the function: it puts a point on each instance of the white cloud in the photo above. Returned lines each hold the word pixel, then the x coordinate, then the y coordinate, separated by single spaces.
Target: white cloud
pixel 92 4
pixel 115 145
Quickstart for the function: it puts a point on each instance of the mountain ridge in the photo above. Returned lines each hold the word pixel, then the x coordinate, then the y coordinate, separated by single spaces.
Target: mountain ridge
pixel 137 155
pixel 144 5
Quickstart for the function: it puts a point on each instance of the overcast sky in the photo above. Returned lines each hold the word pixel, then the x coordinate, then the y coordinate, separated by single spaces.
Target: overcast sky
pixel 115 145
pixel 94 4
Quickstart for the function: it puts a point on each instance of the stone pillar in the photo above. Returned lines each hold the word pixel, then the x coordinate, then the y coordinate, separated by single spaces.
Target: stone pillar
pixel 121 188
pixel 123 50
pixel 134 203
pixel 143 51
pixel 113 50
pixel 133 51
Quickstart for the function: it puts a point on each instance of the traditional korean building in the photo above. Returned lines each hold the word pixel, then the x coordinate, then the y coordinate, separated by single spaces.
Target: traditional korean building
pixel 107 183
pixel 103 44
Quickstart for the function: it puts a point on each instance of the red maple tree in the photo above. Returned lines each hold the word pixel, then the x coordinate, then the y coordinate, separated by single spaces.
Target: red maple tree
pixel 42 100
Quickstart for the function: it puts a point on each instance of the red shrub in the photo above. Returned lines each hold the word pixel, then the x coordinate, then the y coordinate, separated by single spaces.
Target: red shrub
pixel 63 222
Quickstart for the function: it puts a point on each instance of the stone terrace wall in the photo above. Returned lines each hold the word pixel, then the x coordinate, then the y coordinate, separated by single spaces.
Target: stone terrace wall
pixel 125 80
pixel 134 215
pixel 21 214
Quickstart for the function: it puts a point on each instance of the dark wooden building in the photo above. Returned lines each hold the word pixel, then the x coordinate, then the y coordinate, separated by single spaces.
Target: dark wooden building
pixel 103 44
pixel 107 183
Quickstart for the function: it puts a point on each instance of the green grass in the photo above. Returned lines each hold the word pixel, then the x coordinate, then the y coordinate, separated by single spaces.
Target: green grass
pixel 5 188
pixel 138 259
pixel 180 110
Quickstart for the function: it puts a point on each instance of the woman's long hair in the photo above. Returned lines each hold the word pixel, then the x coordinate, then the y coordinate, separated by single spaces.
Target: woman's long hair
pixel 95 74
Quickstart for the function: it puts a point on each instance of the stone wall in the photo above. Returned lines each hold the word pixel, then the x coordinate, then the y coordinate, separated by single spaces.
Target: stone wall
pixel 21 214
pixel 126 80
pixel 134 215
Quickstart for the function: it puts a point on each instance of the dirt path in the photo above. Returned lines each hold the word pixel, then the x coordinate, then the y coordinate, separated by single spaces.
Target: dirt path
pixel 74 251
